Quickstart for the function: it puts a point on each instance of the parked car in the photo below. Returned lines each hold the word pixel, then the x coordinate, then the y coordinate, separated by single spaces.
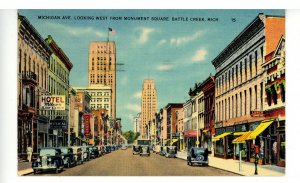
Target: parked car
pixel 48 159
pixel 86 153
pixel 135 149
pixel 107 149
pixel 94 152
pixel 68 156
pixel 197 155
pixel 162 151
pixel 171 152
pixel 78 155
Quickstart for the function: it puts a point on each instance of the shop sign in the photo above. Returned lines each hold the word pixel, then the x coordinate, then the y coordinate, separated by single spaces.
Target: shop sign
pixel 86 118
pixel 219 124
pixel 53 102
pixel 256 113
pixel 58 124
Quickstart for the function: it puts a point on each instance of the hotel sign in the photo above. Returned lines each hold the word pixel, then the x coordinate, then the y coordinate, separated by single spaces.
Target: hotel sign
pixel 53 102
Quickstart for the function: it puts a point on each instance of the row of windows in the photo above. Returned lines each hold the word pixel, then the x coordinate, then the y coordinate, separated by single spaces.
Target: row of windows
pixel 57 88
pixel 236 105
pixel 99 93
pixel 107 81
pixel 92 76
pixel 101 58
pixel 99 100
pixel 61 72
pixel 239 73
pixel 34 67
pixel 99 106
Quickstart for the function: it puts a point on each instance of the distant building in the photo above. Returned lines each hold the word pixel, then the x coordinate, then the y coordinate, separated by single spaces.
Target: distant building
pixel 173 135
pixel 137 123
pixel 149 105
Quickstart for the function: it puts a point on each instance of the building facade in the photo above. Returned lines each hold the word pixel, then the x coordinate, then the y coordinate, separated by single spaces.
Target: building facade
pixel 137 123
pixel 239 89
pixel 180 129
pixel 148 105
pixel 33 63
pixel 274 105
pixel 190 133
pixel 58 84
pixel 208 88
pixel 102 68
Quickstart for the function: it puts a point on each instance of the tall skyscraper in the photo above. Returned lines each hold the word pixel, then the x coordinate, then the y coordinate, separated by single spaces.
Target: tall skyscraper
pixel 149 105
pixel 102 68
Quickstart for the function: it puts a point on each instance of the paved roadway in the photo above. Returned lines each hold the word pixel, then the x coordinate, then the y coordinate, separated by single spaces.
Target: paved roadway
pixel 123 163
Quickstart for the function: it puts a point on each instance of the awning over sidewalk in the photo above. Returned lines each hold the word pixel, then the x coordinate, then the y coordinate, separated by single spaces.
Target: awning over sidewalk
pixel 216 138
pixel 258 130
pixel 173 141
pixel 242 139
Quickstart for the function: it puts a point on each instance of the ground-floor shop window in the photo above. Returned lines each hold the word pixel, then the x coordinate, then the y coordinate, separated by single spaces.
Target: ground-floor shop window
pixel 230 145
pixel 220 147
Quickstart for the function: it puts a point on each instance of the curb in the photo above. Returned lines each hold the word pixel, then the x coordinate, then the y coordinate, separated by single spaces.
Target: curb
pixel 216 167
pixel 25 172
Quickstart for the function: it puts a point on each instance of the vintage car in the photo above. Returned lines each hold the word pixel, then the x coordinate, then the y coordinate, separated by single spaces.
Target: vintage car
pixel 68 156
pixel 144 150
pixel 48 159
pixel 171 152
pixel 94 152
pixel 86 153
pixel 135 149
pixel 107 149
pixel 124 147
pixel 78 155
pixel 162 151
pixel 197 155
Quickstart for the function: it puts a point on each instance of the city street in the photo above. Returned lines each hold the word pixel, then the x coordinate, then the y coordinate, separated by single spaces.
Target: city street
pixel 123 163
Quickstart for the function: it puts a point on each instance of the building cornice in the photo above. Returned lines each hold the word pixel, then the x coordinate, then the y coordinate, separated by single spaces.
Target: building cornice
pixel 59 52
pixel 251 29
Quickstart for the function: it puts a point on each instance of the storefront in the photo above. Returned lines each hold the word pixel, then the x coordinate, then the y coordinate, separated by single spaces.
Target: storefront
pixel 190 139
pixel 206 140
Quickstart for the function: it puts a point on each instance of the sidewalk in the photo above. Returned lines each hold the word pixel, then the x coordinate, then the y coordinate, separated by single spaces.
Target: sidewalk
pixel 247 167
pixel 24 167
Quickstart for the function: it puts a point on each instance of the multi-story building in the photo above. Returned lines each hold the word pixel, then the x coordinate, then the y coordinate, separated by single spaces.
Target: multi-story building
pixel 274 105
pixel 172 130
pixel 180 130
pixel 149 104
pixel 190 134
pixel 239 90
pixel 101 97
pixel 83 105
pixel 33 62
pixel 137 123
pixel 208 88
pixel 102 68
pixel 58 84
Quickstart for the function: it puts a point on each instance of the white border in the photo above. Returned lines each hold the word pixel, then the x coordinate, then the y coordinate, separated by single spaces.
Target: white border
pixel 8 117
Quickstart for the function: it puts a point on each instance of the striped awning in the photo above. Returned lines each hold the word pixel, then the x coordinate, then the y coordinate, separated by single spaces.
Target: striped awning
pixel 259 129
pixel 242 138
pixel 216 138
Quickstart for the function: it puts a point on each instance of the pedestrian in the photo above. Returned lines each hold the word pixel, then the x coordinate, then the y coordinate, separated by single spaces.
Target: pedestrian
pixel 29 153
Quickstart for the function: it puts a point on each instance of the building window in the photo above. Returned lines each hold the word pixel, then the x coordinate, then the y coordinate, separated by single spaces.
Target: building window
pixel 229 108
pixel 245 102
pixel 241 104
pixel 261 96
pixel 250 95
pixel 241 72
pixel 255 95
pixel 232 73
pixel 269 97
pixel 250 65
pixel 274 94
pixel 255 63
pixel 245 69
pixel 282 92
pixel 236 105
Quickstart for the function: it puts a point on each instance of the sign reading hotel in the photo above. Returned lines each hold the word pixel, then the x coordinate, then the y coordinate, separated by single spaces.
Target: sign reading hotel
pixel 53 102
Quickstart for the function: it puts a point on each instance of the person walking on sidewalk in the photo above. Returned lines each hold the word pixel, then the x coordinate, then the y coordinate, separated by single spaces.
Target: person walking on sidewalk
pixel 29 153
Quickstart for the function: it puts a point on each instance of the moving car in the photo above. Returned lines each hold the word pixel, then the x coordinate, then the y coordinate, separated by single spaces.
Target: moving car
pixel 135 149
pixel 48 159
pixel 68 156
pixel 171 152
pixel 197 155
pixel 124 147
pixel 77 151
pixel 144 147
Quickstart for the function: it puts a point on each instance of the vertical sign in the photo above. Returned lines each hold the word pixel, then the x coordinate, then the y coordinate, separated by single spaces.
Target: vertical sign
pixel 86 118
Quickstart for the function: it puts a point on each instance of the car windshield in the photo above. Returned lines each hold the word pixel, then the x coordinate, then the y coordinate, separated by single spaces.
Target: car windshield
pixel 64 150
pixel 44 152
pixel 199 151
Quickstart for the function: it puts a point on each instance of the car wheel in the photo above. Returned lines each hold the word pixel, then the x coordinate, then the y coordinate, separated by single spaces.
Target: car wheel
pixel 35 171
pixel 68 164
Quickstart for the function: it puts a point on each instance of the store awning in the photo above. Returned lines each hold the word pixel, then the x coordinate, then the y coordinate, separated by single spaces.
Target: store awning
pixel 242 139
pixel 204 131
pixel 216 138
pixel 173 141
pixel 258 130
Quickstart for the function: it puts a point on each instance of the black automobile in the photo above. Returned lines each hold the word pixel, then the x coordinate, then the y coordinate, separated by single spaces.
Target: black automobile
pixel 48 159
pixel 68 156
pixel 135 149
pixel 86 153
pixel 162 151
pixel 94 152
pixel 171 152
pixel 107 149
pixel 197 155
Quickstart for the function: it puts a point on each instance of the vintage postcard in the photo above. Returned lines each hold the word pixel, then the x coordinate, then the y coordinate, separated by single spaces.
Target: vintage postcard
pixel 151 92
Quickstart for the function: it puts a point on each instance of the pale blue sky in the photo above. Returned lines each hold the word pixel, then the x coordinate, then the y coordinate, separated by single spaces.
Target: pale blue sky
pixel 175 54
